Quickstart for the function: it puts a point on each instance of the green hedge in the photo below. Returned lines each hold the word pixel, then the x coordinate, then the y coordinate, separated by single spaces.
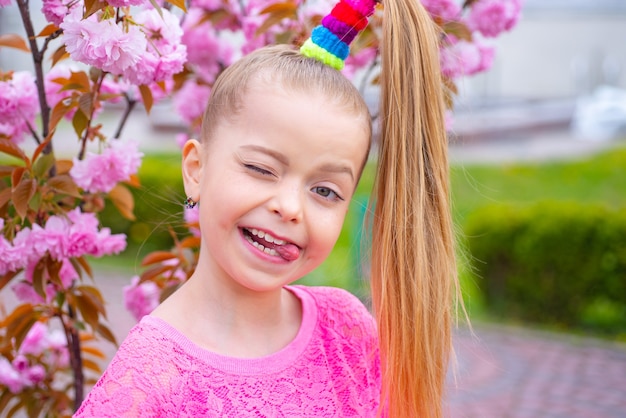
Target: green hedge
pixel 555 263
pixel 158 207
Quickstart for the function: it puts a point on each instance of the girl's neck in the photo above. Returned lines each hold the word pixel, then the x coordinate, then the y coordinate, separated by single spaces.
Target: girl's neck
pixel 231 321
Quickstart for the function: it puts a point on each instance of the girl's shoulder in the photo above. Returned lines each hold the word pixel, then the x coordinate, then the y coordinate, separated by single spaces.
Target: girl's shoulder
pixel 338 308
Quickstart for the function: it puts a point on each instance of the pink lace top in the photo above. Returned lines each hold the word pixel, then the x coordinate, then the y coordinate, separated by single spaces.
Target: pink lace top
pixel 331 369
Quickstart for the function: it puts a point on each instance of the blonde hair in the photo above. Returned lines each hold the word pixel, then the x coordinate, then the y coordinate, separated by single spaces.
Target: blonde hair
pixel 413 260
pixel 279 65
pixel 413 263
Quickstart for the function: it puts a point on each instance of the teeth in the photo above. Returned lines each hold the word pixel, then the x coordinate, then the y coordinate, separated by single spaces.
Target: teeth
pixel 261 247
pixel 267 237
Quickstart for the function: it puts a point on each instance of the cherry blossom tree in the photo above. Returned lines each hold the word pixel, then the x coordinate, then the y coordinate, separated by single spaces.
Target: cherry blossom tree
pixel 94 53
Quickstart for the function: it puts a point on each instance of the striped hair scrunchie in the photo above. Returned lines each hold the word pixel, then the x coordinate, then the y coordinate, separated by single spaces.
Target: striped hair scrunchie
pixel 330 41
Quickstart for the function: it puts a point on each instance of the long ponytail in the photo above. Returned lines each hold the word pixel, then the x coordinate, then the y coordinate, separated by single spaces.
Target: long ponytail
pixel 413 265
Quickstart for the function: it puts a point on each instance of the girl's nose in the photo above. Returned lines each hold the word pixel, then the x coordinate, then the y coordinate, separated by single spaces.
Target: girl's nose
pixel 287 203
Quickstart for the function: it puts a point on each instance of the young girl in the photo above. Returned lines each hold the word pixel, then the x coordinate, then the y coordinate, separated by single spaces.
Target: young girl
pixel 284 141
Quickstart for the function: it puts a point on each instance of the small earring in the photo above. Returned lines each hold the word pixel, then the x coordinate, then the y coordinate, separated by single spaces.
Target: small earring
pixel 189 203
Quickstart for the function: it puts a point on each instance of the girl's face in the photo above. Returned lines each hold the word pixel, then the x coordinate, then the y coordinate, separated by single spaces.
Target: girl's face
pixel 275 182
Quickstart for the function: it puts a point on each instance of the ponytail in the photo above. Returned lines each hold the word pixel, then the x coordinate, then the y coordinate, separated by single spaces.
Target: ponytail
pixel 413 265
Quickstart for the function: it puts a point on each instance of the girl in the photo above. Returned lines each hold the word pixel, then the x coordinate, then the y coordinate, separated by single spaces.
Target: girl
pixel 284 141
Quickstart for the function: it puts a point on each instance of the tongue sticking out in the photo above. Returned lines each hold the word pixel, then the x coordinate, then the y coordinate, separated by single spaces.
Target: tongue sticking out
pixel 288 251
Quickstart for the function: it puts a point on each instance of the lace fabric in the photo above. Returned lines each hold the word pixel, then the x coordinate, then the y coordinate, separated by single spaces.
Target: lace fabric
pixel 330 369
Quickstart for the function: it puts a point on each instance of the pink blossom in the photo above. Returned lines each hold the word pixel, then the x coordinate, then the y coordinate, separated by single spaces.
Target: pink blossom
pixel 56 10
pixel 491 17
pixel 4 3
pixel 192 217
pixel 36 341
pixel 109 244
pixel 19 104
pixel 101 172
pixel 466 58
pixel 102 43
pixel 10 377
pixel 444 9
pixel 35 374
pixel 205 50
pixel 355 62
pixel 191 100
pixel 181 139
pixel 140 299
pixel 165 55
pixel 124 3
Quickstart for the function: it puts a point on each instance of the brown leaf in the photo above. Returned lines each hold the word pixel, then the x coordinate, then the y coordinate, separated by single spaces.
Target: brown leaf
pixel 85 103
pixel 16 176
pixel 157 257
pixel 154 272
pixel 92 365
pixel 123 200
pixel 22 194
pixel 93 351
pixel 64 166
pixel 167 292
pixel 146 97
pixel 6 279
pixel 178 3
pixel 41 147
pixel 48 30
pixel 190 242
pixel 274 18
pixel 104 331
pixel 280 7
pixel 5 196
pixel 80 121
pixel 12 40
pixel 92 6
pixel 95 296
pixel 85 265
pixel 59 110
pixel 64 184
pixel 458 29
pixel 59 54
pixel 87 309
pixel 9 147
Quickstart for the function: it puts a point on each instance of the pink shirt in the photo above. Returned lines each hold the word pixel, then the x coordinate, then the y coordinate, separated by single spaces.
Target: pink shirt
pixel 330 369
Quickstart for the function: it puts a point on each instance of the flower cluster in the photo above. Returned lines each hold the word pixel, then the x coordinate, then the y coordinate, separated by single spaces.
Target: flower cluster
pixel 64 236
pixel 101 172
pixel 468 55
pixel 141 298
pixel 41 346
pixel 18 104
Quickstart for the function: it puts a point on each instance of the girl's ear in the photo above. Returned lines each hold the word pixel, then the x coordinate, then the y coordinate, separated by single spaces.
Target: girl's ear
pixel 192 168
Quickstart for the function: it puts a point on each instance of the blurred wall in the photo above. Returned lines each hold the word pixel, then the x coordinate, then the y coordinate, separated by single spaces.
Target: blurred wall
pixel 559 49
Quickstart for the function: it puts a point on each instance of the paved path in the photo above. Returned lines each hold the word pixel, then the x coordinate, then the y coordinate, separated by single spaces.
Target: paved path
pixel 509 372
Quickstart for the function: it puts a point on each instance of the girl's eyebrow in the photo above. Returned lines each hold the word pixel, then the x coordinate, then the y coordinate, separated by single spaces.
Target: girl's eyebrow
pixel 272 153
pixel 337 168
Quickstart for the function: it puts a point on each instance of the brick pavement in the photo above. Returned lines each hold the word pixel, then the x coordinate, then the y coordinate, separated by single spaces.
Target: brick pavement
pixel 506 372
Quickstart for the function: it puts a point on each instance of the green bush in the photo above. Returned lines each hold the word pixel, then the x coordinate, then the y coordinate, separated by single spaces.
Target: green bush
pixel 556 263
pixel 158 207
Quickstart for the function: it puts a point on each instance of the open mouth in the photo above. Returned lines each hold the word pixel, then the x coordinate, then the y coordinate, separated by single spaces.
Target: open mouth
pixel 270 245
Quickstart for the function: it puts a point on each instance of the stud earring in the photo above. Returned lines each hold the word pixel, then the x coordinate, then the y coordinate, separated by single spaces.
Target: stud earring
pixel 190 203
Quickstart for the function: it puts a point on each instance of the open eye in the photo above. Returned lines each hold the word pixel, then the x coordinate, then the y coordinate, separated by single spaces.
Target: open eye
pixel 327 193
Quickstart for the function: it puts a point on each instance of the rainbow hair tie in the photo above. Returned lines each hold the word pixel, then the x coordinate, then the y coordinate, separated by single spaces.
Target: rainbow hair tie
pixel 329 42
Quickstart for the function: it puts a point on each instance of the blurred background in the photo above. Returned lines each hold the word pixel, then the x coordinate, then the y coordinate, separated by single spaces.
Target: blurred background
pixel 538 149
